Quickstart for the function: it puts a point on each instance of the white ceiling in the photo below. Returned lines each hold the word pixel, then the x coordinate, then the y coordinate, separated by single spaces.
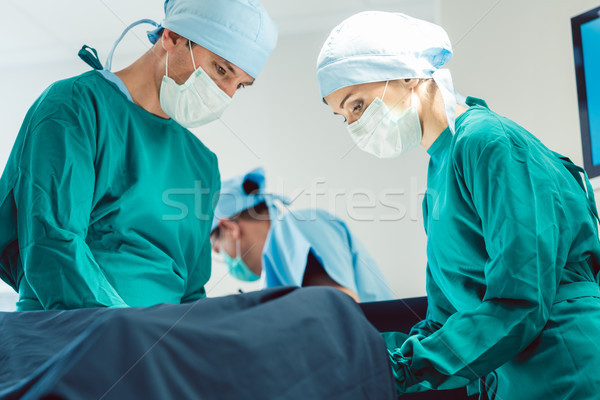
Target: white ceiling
pixel 42 31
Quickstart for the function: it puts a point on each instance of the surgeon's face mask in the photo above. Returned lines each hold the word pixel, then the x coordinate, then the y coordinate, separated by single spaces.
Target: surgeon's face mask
pixel 237 267
pixel 384 134
pixel 195 103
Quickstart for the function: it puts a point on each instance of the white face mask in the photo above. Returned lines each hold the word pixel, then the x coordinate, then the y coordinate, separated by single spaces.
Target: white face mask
pixel 383 134
pixel 197 102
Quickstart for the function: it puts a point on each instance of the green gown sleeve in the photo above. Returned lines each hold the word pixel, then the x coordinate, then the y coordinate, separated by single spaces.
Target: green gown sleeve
pixel 53 193
pixel 201 272
pixel 515 199
pixel 199 276
pixel 438 310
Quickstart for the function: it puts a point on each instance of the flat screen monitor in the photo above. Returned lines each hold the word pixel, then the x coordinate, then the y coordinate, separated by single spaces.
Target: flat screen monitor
pixel 586 45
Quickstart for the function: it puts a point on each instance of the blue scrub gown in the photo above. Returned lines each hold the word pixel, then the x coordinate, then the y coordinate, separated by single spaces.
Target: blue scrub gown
pixel 513 269
pixel 103 204
pixel 294 235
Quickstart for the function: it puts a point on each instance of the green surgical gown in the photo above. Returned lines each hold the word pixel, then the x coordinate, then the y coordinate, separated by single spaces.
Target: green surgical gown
pixel 103 204
pixel 513 273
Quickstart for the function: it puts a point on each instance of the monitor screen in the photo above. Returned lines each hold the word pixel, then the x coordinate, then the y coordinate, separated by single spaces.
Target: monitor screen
pixel 586 45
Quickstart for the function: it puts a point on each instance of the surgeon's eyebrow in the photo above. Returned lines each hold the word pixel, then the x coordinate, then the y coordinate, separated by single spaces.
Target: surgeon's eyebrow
pixel 344 101
pixel 227 65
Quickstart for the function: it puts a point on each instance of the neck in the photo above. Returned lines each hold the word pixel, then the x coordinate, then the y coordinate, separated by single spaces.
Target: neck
pixel 143 79
pixel 434 120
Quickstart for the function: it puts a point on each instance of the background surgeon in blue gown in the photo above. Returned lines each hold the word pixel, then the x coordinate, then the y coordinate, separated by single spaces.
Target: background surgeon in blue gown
pixel 298 247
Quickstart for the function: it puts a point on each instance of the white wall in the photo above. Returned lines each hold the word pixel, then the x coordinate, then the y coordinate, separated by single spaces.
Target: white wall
pixel 518 58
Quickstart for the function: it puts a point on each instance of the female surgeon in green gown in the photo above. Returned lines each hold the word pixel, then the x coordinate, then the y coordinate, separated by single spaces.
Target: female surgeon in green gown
pixel 107 198
pixel 513 251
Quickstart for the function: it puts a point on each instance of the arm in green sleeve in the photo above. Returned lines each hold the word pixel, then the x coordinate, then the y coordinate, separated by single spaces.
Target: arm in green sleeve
pixel 515 198
pixel 53 195
pixel 438 311
pixel 200 273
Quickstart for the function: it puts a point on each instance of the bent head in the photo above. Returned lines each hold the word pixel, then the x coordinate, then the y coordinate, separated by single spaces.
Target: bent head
pixel 232 41
pixel 183 62
pixel 396 59
pixel 243 237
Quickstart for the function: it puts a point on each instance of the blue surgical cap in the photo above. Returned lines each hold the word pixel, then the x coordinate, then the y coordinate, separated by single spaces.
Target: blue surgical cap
pixel 242 193
pixel 376 46
pixel 240 31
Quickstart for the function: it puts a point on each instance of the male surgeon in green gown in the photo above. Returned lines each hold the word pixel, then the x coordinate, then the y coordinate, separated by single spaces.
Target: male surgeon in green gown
pixel 107 198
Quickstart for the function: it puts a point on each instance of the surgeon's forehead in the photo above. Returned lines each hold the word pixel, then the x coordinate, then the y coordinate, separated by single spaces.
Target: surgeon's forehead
pixel 358 88
pixel 333 98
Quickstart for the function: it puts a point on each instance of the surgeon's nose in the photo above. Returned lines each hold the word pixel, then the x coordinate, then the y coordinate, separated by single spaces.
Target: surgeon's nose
pixel 229 88
pixel 351 120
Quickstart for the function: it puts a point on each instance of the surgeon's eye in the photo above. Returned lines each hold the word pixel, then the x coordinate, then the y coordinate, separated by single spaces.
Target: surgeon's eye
pixel 241 86
pixel 220 69
pixel 357 108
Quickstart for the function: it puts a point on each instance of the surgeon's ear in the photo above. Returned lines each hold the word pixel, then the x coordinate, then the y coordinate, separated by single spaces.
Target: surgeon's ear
pixel 229 229
pixel 171 39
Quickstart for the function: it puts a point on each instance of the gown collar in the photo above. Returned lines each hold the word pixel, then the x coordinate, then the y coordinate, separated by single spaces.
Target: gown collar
pixel 445 137
pixel 111 77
